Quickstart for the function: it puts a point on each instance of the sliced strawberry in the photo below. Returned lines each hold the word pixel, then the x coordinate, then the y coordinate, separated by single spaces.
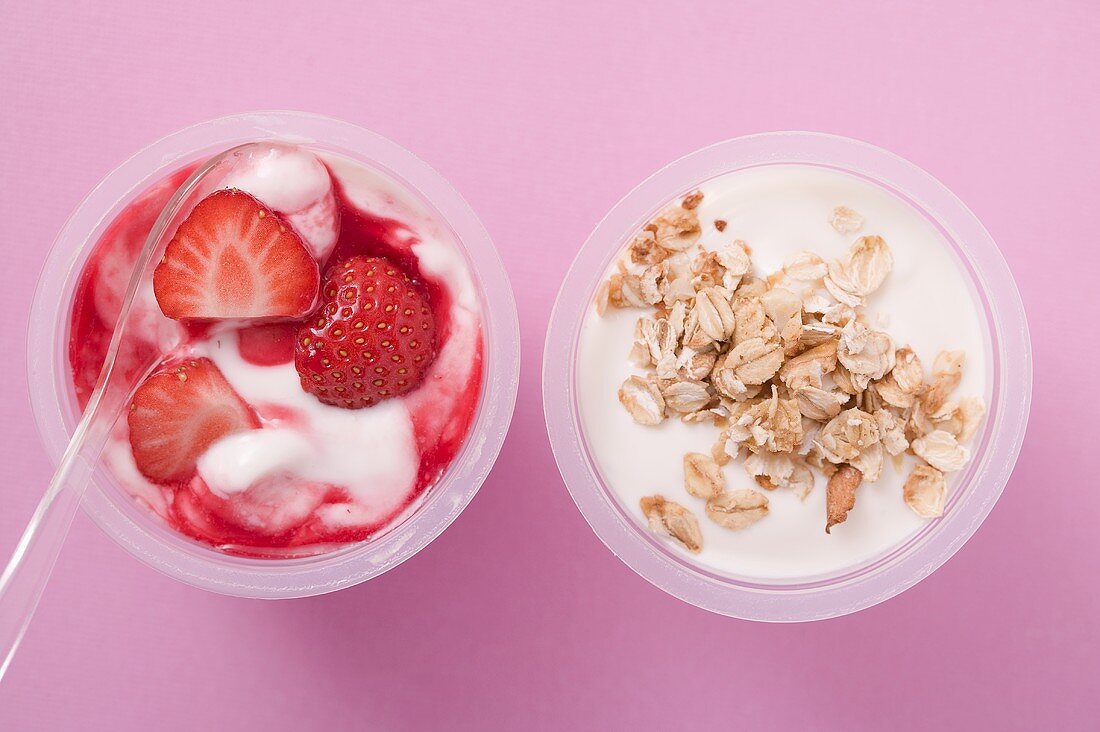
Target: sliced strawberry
pixel 267 344
pixel 177 413
pixel 372 339
pixel 233 257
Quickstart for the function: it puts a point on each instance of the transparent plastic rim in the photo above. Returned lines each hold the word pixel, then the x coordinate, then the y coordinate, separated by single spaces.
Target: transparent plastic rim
pixel 977 490
pixel 149 539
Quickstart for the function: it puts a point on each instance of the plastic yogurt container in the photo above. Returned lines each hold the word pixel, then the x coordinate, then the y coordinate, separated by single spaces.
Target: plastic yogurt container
pixel 772 181
pixel 150 539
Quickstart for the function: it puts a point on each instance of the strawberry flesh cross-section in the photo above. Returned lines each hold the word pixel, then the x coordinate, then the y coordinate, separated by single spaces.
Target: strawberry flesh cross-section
pixel 234 258
pixel 177 413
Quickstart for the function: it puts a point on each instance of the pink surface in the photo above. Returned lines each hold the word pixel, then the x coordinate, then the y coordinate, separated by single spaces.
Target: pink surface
pixel 517 617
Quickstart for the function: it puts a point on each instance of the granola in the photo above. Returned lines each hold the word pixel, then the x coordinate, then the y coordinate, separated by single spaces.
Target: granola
pixel 924 491
pixel 703 476
pixel 941 450
pixel 643 400
pixel 737 509
pixel 670 519
pixel 787 367
pixel 840 495
pixel 845 220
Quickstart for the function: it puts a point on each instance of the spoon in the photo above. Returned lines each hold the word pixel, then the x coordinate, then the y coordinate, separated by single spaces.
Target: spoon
pixel 31 563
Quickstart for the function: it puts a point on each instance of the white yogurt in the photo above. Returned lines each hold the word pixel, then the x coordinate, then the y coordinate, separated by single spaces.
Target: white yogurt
pixel 294 182
pixel 371 453
pixel 926 303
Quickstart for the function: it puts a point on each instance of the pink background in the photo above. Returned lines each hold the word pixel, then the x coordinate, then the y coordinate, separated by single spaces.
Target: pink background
pixel 517 617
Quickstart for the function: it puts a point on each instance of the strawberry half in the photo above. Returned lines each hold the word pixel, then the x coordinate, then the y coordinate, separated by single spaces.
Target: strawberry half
pixel 372 339
pixel 233 257
pixel 177 413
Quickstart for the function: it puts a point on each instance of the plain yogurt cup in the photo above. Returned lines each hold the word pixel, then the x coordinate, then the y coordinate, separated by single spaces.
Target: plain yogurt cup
pixel 146 537
pixel 1006 361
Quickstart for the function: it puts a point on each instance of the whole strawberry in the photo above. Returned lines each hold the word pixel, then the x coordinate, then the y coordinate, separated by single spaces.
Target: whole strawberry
pixel 372 338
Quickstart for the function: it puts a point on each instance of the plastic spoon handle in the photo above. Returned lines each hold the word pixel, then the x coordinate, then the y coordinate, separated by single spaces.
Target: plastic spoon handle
pixel 32 562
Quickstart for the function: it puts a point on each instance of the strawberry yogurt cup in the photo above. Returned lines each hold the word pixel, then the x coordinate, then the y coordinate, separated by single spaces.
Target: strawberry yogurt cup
pixel 336 354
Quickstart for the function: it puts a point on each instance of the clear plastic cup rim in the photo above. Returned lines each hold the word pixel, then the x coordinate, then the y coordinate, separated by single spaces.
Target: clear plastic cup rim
pixel 149 539
pixel 977 489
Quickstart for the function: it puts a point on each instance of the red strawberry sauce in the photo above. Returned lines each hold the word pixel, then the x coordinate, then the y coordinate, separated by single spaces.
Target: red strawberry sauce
pixel 192 508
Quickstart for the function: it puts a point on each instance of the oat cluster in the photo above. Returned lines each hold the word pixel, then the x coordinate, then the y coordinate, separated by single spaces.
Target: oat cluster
pixel 787 367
